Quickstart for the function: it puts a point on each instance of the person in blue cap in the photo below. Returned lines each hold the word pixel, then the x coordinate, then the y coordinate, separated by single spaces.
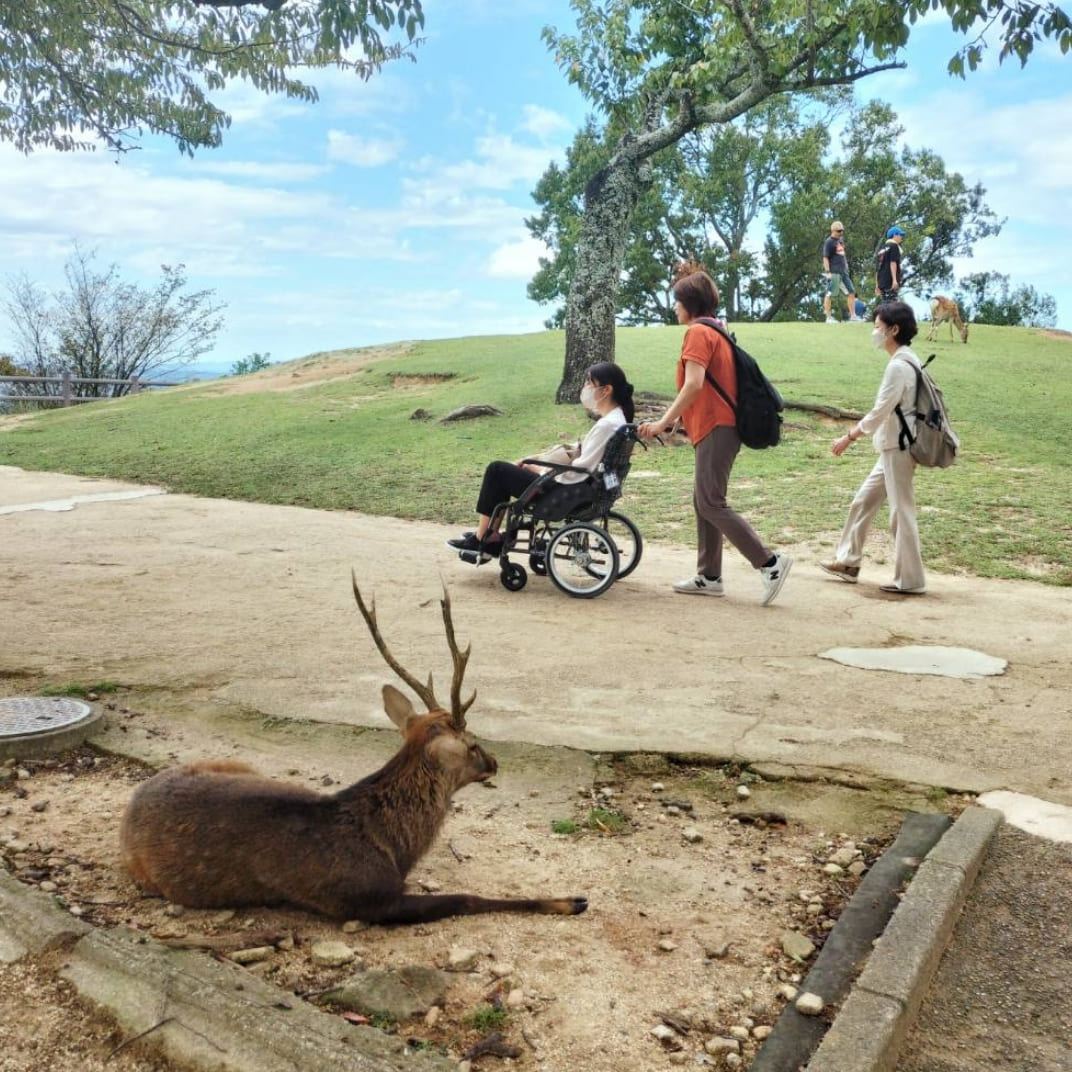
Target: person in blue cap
pixel 888 279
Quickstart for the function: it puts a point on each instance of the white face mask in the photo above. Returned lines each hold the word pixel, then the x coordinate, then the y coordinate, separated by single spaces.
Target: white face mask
pixel 588 396
pixel 878 339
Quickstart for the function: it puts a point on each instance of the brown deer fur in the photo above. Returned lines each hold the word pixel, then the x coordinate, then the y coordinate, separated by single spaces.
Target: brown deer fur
pixel 217 834
pixel 945 311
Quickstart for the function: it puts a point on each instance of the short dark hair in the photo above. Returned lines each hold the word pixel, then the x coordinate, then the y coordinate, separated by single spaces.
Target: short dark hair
pixel 698 293
pixel 608 374
pixel 899 315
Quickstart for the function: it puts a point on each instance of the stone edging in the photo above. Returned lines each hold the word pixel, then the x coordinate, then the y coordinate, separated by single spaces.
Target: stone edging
pixel 875 1019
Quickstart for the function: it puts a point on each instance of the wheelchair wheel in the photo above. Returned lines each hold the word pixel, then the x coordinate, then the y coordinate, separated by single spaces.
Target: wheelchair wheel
pixel 582 560
pixel 513 577
pixel 627 540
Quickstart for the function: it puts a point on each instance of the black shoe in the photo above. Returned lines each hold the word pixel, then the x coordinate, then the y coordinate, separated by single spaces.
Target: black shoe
pixel 467 542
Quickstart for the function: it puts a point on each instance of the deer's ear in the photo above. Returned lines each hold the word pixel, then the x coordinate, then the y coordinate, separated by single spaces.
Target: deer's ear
pixel 399 709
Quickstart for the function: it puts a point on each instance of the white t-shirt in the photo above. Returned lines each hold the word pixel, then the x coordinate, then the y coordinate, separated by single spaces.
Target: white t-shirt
pixel 593 445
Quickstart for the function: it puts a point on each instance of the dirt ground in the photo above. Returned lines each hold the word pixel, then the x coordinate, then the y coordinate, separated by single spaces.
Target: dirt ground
pixel 689 904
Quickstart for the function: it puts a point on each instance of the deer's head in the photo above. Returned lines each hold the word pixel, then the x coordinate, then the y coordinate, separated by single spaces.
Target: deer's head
pixel 441 734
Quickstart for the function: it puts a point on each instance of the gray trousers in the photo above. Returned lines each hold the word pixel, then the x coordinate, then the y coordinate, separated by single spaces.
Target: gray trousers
pixel 715 455
pixel 891 478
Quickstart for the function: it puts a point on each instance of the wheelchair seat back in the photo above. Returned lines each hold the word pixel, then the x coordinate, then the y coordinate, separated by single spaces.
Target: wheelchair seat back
pixel 593 496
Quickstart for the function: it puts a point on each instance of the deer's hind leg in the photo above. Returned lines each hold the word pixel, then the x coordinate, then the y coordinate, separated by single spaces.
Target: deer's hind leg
pixel 426 907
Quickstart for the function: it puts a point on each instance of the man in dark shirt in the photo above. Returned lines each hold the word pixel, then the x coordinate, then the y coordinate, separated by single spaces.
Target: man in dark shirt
pixel 836 269
pixel 888 280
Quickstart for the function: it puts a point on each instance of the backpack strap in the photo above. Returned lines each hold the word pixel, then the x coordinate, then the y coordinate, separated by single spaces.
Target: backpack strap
pixel 905 438
pixel 711 323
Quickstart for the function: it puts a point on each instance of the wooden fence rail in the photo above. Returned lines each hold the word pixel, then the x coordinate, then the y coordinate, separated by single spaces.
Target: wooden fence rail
pixel 67 396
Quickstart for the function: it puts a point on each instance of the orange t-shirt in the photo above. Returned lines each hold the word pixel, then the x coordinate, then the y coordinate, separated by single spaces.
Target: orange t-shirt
pixel 709 410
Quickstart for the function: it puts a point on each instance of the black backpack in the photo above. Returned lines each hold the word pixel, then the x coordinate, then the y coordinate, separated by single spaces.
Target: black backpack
pixel 759 405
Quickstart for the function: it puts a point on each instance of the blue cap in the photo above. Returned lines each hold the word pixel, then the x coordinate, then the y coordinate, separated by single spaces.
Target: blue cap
pixel 894 231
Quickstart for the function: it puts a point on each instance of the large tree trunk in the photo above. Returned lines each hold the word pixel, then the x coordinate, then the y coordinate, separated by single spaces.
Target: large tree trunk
pixel 609 202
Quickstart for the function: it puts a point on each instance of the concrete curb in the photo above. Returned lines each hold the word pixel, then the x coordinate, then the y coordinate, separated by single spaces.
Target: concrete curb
pixel 200 1012
pixel 872 1025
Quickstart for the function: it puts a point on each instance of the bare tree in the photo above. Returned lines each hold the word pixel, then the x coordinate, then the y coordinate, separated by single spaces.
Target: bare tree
pixel 101 327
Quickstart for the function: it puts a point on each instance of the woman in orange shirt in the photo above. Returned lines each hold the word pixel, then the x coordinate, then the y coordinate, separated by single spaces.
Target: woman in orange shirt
pixel 711 426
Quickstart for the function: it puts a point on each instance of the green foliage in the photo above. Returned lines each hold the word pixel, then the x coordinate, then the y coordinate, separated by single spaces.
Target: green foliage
pixel 349 444
pixel 254 362
pixel 69 74
pixel 564 826
pixel 487 1018
pixel 988 300
pixel 81 691
pixel 873 183
pixel 606 821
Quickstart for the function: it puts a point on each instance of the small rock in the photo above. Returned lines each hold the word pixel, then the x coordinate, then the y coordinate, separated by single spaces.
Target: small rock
pixel 48 887
pixel 732 1060
pixel 254 955
pixel 844 856
pixel 76 910
pixel 739 1033
pixel 833 869
pixel 715 1046
pixel 743 792
pixel 856 868
pixel 691 835
pixel 788 992
pixel 667 946
pixel 174 910
pixel 222 917
pixel 500 969
pixel 667 1036
pixel 515 999
pixel 331 954
pixel 431 1017
pixel 462 960
pixel 797 945
pixel 762 1032
pixel 606 792
pixel 716 950
pixel 352 926
pixel 657 787
pixel 809 1004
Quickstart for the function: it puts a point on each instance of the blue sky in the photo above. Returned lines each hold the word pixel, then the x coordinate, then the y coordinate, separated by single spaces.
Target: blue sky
pixel 394 209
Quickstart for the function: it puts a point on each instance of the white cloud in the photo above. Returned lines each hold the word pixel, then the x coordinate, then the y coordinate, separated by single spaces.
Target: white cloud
pixel 361 152
pixel 544 123
pixel 517 260
pixel 261 171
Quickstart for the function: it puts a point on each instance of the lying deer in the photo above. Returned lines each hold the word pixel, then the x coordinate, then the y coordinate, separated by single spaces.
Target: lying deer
pixel 944 311
pixel 216 834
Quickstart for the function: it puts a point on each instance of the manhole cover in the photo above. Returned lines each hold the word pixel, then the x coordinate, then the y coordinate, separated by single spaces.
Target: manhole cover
pixel 41 725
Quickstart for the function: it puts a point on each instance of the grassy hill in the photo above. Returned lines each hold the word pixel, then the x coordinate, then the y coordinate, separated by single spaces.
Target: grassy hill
pixel 334 431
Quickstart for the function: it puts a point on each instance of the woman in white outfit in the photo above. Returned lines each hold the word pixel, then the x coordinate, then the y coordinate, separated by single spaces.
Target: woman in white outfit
pixel 891 478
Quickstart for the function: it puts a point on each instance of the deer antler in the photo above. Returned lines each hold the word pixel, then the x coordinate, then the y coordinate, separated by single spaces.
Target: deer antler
pixel 425 692
pixel 460 660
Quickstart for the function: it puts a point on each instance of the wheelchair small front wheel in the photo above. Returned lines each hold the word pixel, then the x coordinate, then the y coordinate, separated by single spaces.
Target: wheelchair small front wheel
pixel 582 560
pixel 513 577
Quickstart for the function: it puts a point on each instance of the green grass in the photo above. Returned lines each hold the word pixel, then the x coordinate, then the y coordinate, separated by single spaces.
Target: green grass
pixel 564 826
pixel 486 1018
pixel 82 691
pixel 349 444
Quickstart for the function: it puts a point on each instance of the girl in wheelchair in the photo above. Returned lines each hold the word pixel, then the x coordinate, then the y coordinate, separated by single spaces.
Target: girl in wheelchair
pixel 606 392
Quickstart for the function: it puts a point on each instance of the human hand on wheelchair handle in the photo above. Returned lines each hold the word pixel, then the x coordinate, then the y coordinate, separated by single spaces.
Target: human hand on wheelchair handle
pixel 650 430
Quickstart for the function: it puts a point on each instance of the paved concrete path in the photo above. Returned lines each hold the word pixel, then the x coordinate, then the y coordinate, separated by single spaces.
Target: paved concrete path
pixel 249 607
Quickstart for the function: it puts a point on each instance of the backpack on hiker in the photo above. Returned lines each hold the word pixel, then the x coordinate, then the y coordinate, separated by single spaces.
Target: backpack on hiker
pixel 932 441
pixel 759 406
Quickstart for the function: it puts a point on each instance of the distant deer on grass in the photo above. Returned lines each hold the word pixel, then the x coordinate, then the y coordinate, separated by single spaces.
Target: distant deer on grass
pixel 216 834
pixel 944 311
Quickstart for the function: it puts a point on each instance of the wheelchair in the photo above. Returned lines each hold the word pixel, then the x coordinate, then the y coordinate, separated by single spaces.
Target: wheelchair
pixel 569 531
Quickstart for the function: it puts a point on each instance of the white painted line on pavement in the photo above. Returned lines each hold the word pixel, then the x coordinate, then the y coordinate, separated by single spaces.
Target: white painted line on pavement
pixel 58 505
pixel 1032 815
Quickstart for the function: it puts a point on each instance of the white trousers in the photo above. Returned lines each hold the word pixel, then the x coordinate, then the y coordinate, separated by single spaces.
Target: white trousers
pixel 890 479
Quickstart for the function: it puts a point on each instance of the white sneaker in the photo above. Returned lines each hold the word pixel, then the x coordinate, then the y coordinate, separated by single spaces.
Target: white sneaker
pixel 774 577
pixel 699 586
pixel 856 319
pixel 831 320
